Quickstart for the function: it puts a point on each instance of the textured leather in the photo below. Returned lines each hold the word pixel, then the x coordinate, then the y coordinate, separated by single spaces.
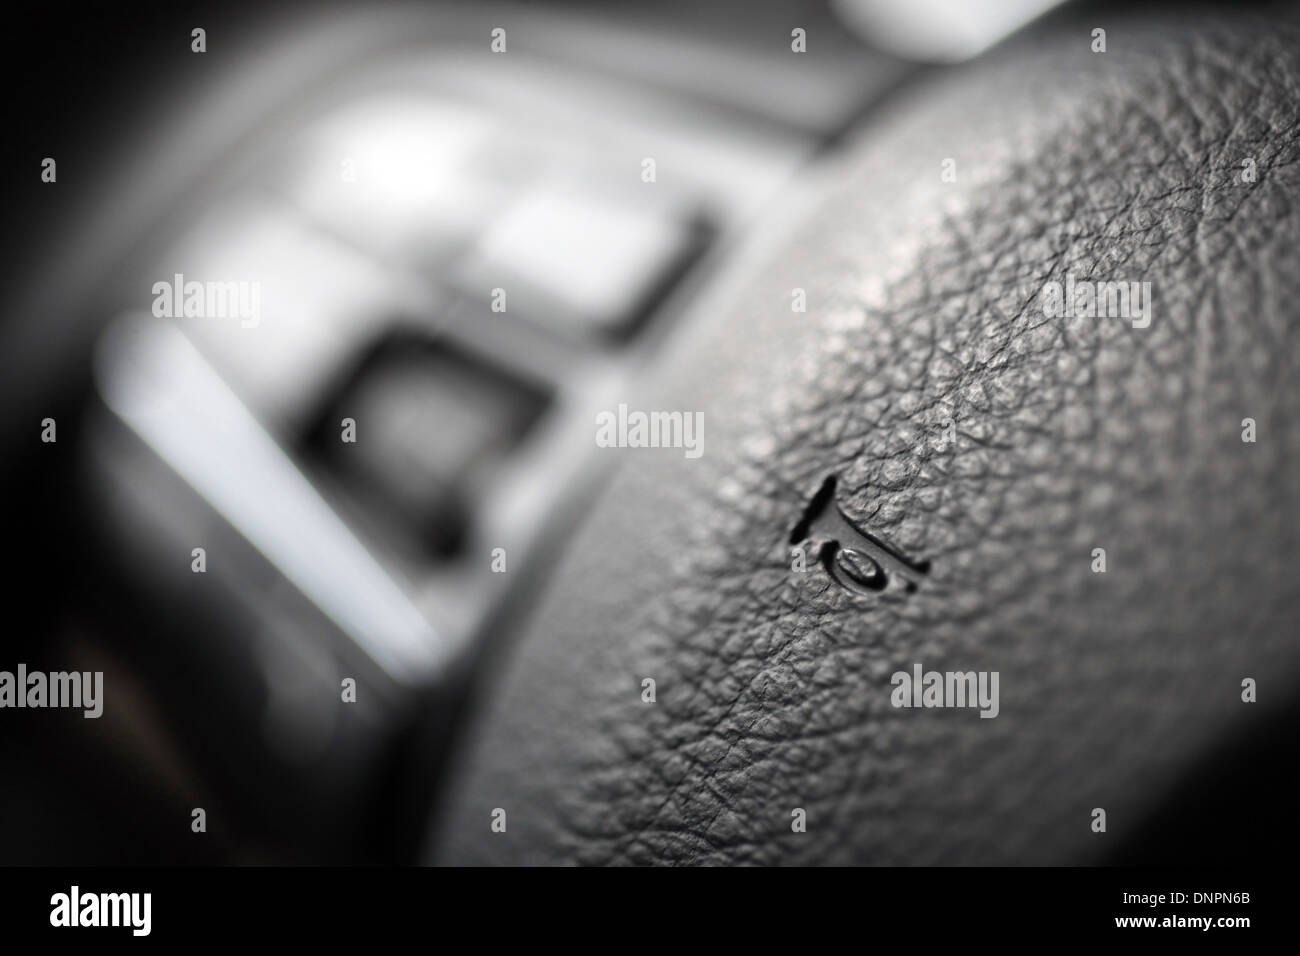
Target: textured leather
pixel 773 686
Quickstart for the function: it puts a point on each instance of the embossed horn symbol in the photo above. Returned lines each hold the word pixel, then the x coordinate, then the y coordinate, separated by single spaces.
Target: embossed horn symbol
pixel 856 559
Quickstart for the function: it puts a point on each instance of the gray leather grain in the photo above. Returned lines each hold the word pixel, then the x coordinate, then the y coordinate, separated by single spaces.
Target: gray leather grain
pixel 1072 434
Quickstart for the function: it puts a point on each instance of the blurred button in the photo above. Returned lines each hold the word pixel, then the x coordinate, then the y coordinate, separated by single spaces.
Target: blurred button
pixel 431 426
pixel 303 304
pixel 398 176
pixel 585 262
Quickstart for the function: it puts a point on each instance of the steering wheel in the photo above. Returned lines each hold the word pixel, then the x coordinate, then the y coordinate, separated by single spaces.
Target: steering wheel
pixel 1106 504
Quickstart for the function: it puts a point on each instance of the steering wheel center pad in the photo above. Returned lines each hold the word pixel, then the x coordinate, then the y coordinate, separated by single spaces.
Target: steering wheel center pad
pixel 968 429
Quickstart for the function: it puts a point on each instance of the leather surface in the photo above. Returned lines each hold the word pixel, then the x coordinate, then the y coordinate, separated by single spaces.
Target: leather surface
pixel 773 686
